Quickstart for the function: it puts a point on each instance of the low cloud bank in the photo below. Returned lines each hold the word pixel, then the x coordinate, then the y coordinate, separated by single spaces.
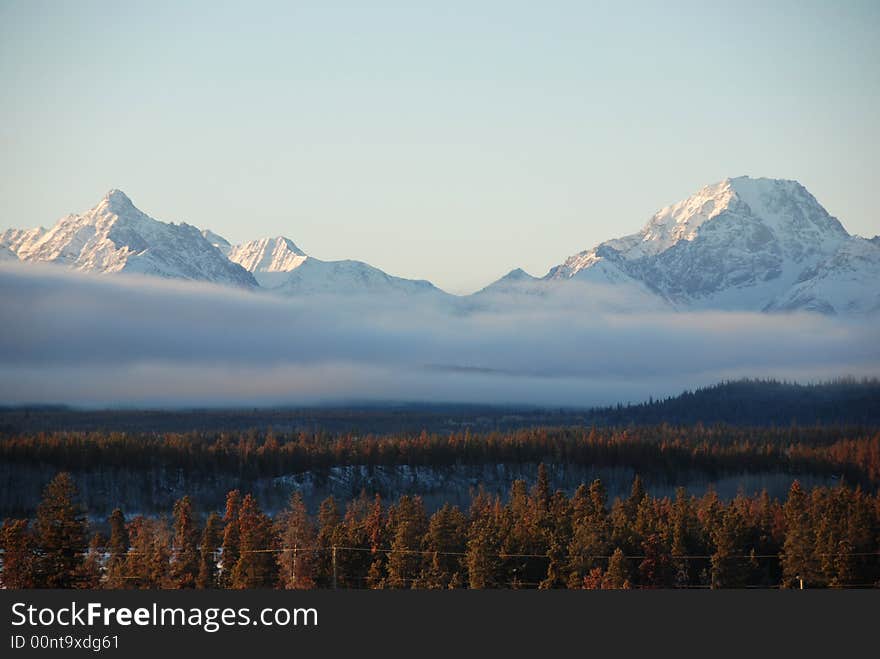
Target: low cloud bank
pixel 126 340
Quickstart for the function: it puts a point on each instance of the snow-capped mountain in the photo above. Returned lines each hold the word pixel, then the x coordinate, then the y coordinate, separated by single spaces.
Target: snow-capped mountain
pixel 280 266
pixel 741 244
pixel 114 236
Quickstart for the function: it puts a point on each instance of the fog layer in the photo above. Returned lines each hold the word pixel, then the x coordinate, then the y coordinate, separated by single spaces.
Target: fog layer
pixel 124 340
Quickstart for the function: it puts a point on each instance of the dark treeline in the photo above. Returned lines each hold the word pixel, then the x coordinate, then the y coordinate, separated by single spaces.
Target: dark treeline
pixel 757 403
pixel 536 538
pixel 741 402
pixel 853 453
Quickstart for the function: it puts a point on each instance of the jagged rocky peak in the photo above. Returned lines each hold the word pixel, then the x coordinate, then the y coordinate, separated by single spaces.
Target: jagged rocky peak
pixel 739 244
pixel 279 254
pixel 115 201
pixel 115 236
pixel 784 207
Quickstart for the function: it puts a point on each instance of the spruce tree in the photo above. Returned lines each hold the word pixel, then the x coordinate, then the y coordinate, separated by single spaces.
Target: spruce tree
pixel 60 535
pixel 117 548
pixel 185 548
pixel 211 539
pixel 408 525
pixel 683 537
pixel 483 543
pixel 375 532
pixel 231 544
pixel 444 542
pixel 558 532
pixel 591 531
pixel 296 537
pixel 17 544
pixel 617 574
pixel 91 571
pixel 729 569
pixel 256 566
pixel 330 534
pixel 798 561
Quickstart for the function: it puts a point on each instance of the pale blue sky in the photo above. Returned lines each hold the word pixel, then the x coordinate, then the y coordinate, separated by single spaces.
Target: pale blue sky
pixel 450 141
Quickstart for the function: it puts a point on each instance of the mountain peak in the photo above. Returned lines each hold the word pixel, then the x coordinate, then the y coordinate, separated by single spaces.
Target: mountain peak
pixel 736 243
pixel 279 254
pixel 116 201
pixel 517 274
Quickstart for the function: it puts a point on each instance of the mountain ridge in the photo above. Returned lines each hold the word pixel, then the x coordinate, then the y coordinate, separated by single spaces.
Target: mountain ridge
pixel 743 244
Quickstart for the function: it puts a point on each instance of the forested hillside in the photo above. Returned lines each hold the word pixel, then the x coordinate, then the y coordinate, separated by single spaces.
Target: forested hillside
pixel 757 402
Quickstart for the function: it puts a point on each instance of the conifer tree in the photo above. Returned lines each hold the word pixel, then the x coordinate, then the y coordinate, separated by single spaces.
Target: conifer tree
pixel 445 544
pixel 117 548
pixel 483 543
pixel 91 570
pixel 17 544
pixel 375 531
pixel 683 537
pixel 408 524
pixel 231 549
pixel 541 491
pixel 591 531
pixel 296 537
pixel 60 535
pixel 655 569
pixel 522 538
pixel 185 546
pixel 355 566
pixel 256 566
pixel 636 496
pixel 147 562
pixel 798 561
pixel 159 560
pixel 331 534
pixel 211 538
pixel 558 531
pixel 729 568
pixel 617 574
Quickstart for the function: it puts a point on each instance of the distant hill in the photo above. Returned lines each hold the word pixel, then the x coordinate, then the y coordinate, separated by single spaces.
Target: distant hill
pixel 757 403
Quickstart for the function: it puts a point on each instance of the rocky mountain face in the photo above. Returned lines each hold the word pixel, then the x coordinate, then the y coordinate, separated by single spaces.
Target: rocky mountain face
pixel 114 236
pixel 740 244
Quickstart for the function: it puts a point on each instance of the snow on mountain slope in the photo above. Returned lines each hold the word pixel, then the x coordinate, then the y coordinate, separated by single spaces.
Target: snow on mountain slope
pixel 280 266
pixel 740 244
pixel 18 239
pixel 268 255
pixel 114 236
pixel 517 280
pixel 603 288
pixel 350 277
pixel 217 241
pixel 7 254
pixel 847 282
